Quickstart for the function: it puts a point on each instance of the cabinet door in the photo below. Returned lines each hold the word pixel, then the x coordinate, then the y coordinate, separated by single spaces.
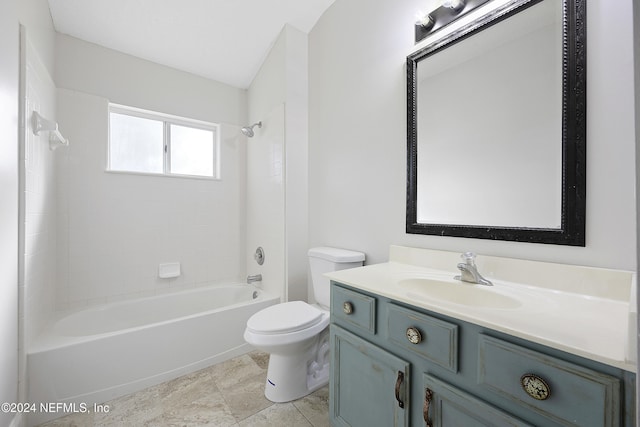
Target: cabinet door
pixel 446 406
pixel 369 386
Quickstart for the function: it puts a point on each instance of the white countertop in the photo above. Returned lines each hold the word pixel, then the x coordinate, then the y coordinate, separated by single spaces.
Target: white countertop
pixel 598 325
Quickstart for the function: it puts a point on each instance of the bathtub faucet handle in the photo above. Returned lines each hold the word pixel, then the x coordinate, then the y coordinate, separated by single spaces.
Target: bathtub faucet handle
pixel 254 278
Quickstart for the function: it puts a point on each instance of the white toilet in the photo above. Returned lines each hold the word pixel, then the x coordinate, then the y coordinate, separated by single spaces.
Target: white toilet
pixel 296 334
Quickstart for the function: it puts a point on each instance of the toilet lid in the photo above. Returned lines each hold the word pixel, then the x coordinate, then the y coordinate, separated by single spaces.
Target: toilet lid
pixel 282 318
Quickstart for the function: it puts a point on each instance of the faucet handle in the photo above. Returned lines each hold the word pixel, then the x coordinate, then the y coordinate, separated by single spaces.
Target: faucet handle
pixel 469 258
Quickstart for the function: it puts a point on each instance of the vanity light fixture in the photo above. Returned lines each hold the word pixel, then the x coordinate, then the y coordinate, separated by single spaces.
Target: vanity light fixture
pixel 445 13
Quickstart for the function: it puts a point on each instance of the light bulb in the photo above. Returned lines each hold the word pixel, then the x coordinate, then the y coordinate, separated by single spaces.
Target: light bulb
pixel 456 5
pixel 424 20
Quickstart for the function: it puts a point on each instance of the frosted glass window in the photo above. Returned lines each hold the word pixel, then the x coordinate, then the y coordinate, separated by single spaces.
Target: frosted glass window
pixel 137 144
pixel 143 141
pixel 192 151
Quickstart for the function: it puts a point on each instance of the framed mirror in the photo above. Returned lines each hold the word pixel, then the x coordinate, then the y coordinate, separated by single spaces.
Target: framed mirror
pixel 496 127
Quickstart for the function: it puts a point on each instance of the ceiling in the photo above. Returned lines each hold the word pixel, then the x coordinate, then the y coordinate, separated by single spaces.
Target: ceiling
pixel 223 40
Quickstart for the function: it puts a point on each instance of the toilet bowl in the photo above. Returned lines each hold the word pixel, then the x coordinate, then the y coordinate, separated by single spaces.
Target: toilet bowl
pixel 296 334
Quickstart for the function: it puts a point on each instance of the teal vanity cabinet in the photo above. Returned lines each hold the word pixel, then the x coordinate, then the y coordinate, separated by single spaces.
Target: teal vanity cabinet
pixel 394 364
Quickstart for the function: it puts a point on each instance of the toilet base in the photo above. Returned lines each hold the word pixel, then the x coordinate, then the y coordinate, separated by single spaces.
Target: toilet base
pixel 288 379
pixel 292 376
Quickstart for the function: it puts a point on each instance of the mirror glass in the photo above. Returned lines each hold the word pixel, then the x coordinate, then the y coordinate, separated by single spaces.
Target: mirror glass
pixel 492 132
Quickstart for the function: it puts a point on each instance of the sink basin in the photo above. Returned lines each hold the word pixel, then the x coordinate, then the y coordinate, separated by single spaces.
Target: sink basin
pixel 459 293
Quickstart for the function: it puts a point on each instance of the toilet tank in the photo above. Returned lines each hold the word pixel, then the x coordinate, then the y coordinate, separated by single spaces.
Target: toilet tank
pixel 323 260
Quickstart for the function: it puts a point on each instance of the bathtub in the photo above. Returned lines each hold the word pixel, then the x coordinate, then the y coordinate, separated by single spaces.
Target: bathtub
pixel 103 352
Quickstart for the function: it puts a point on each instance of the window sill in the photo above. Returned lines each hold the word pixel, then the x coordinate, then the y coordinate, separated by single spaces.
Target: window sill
pixel 164 175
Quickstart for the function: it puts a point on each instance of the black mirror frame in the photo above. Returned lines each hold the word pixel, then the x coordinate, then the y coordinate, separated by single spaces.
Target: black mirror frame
pixel 574 110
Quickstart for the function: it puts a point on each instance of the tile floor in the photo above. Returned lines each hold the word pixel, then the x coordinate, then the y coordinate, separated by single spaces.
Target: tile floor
pixel 227 394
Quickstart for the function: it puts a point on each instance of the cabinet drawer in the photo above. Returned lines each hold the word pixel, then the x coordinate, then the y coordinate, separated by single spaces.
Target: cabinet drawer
pixel 431 338
pixel 352 308
pixel 565 393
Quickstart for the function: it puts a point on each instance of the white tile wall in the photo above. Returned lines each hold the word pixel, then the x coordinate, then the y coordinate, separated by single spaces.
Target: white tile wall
pixel 39 202
pixel 266 201
pixel 11 313
pixel 277 214
pixel 119 227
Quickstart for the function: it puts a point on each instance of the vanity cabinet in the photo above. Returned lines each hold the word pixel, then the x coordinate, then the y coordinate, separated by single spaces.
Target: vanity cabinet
pixel 394 364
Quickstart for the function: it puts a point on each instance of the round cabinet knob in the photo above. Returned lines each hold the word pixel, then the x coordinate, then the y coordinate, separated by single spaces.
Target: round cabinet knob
pixel 347 307
pixel 535 386
pixel 414 336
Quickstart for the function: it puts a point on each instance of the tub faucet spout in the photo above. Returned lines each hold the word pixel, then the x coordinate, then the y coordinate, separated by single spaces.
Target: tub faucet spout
pixel 254 278
pixel 470 271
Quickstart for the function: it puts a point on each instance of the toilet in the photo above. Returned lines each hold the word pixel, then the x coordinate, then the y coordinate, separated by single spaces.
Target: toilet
pixel 296 334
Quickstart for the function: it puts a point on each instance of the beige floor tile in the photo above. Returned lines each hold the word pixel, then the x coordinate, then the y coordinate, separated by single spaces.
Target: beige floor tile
pixel 230 394
pixel 187 389
pixel 279 414
pixel 134 409
pixel 228 374
pixel 315 407
pixel 247 397
pixel 73 420
pixel 209 410
pixel 261 358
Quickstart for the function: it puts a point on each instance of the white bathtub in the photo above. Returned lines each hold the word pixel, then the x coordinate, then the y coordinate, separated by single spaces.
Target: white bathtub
pixel 99 353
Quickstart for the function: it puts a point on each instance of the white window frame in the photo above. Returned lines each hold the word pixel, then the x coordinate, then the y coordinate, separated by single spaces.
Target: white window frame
pixel 167 120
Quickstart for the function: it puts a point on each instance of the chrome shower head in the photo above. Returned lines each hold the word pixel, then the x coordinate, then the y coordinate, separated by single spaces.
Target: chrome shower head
pixel 248 130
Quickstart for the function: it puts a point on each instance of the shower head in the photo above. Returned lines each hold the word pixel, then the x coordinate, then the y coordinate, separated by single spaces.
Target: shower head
pixel 248 130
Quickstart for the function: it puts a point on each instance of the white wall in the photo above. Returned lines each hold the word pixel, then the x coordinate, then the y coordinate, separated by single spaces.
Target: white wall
pixel 116 228
pixel 277 208
pixel 297 164
pixel 127 80
pixel 265 170
pixel 357 137
pixel 9 45
pixel 36 225
pixel 38 203
pixel 265 201
pixel 36 18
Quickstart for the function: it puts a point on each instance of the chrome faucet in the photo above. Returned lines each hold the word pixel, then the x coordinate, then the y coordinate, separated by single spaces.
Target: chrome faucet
pixel 470 271
pixel 254 278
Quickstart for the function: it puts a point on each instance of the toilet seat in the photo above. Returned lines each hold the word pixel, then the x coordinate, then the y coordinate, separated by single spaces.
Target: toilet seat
pixel 284 318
